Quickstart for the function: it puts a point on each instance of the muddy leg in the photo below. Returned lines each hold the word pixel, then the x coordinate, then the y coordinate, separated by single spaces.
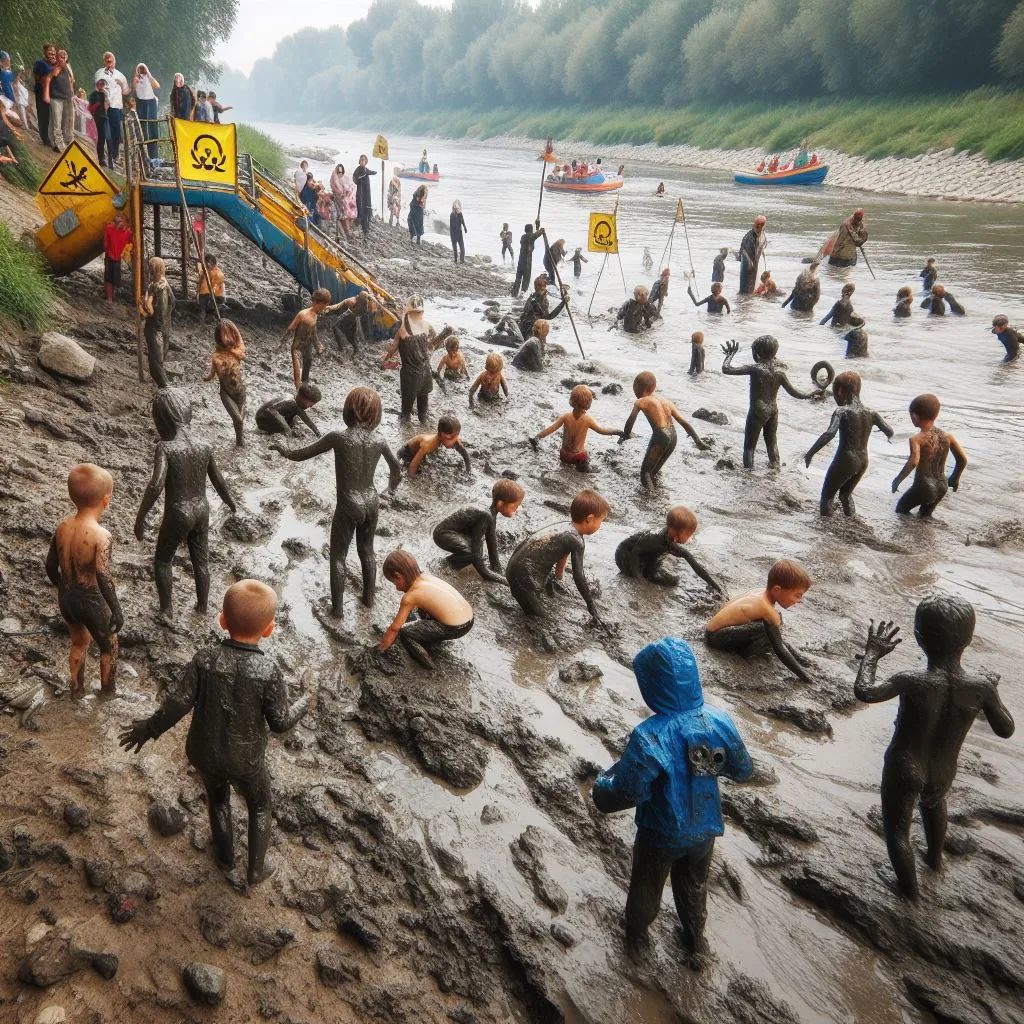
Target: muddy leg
pixel 199 550
pixel 80 640
pixel 307 364
pixel 651 868
pixel 154 354
pixel 771 439
pixel 167 542
pixel 690 892
pixel 364 546
pixel 342 529
pixel 527 599
pixel 751 432
pixel 218 801
pixel 108 662
pixel 237 416
pixel 423 406
pixel 297 367
pixel 255 790
pixel 898 800
pixel 651 464
pixel 909 500
pixel 846 494
pixel 657 573
pixel 933 817
pixel 408 400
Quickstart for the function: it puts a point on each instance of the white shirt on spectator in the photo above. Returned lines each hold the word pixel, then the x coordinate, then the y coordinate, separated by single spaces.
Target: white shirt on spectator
pixel 144 90
pixel 300 179
pixel 115 97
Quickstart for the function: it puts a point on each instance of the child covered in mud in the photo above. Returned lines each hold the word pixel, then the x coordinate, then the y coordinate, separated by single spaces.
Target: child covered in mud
pixel 414 341
pixel 157 307
pixel 577 259
pixel 853 422
pixel 939 299
pixel 718 267
pixel 930 274
pixel 715 302
pixel 751 624
pixel 491 382
pixel 904 302
pixel 938 706
pixel 929 448
pixel 447 435
pixel 506 242
pixel 452 365
pixel 530 355
pixel 79 564
pixel 302 331
pixel 1008 337
pixel 638 313
pixel 766 377
pixel 465 532
pixel 348 328
pixel 226 367
pixel 659 290
pixel 235 693
pixel 767 288
pixel 660 413
pixel 540 560
pixel 669 772
pixel 642 555
pixel 278 415
pixel 574 424
pixel 841 314
pixel 430 612
pixel 181 466
pixel 696 354
pixel 357 451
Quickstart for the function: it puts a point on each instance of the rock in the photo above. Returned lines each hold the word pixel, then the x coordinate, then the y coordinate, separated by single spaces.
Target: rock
pixel 612 389
pixel 248 529
pixel 122 908
pixel 355 926
pixel 562 935
pixel 527 856
pixel 76 816
pixel 491 814
pixel 332 968
pixel 205 983
pixel 51 1015
pixel 579 672
pixel 725 464
pixel 804 718
pixel 60 355
pixel 711 416
pixel 98 872
pixel 167 819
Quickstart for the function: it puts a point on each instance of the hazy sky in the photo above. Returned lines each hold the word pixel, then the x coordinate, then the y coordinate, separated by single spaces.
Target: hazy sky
pixel 261 23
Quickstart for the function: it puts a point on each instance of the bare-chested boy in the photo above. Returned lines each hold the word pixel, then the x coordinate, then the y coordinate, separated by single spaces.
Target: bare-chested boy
pixel 751 624
pixel 660 413
pixel 491 382
pixel 452 365
pixel 447 435
pixel 928 450
pixel 575 423
pixel 439 612
pixel 304 337
pixel 78 565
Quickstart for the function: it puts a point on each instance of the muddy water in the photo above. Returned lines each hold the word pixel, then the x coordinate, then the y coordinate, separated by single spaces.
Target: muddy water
pixel 877 568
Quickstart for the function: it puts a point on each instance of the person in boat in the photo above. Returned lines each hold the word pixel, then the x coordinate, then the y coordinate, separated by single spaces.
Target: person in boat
pixel 806 291
pixel 660 190
pixel 852 234
pixel 813 161
pixel 434 170
pixel 802 156
pixel 761 165
pixel 536 306
pixel 622 167
pixel 751 252
pixel 424 164
pixel 773 163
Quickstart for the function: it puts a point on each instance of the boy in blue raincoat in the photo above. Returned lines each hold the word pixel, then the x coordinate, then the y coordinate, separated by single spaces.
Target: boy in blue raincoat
pixel 669 772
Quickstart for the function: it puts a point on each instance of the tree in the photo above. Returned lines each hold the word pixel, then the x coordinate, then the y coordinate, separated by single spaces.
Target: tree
pixel 706 74
pixel 1009 56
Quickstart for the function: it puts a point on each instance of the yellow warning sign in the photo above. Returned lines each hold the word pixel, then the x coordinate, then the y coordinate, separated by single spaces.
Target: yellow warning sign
pixel 76 173
pixel 680 215
pixel 602 236
pixel 207 152
pixel 380 148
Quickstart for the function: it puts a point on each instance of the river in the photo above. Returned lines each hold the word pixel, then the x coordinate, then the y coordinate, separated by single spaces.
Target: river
pixel 877 569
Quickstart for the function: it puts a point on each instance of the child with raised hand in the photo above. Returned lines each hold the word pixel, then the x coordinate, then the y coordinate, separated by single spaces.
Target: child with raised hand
pixel 78 564
pixel 715 302
pixel 540 560
pixel 696 354
pixel 278 415
pixel 157 307
pixel 642 555
pixel 447 435
pixel 491 381
pixel 575 423
pixel 452 365
pixel 660 413
pixel 464 533
pixel 226 367
pixel 235 692
pixel 751 624
pixel 506 242
pixel 577 259
pixel 939 299
pixel 438 611
pixel 929 448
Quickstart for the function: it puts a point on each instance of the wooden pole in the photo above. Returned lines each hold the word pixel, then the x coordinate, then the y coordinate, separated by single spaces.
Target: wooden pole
pixel 604 263
pixel 540 200
pixel 382 190
pixel 183 224
pixel 138 244
pixel 558 281
pixel 157 241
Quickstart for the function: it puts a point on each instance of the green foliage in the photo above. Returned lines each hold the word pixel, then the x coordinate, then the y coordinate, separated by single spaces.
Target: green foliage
pixel 26 173
pixel 1010 52
pixel 26 292
pixel 262 148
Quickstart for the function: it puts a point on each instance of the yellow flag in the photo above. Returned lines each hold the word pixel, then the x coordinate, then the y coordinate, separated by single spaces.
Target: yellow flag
pixel 680 216
pixel 380 148
pixel 602 236
pixel 207 153
pixel 76 173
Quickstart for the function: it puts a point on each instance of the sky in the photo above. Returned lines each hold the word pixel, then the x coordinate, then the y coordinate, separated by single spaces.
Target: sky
pixel 261 23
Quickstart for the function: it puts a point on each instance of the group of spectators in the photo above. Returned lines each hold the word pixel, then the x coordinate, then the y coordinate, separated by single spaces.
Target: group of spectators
pixel 346 203
pixel 63 108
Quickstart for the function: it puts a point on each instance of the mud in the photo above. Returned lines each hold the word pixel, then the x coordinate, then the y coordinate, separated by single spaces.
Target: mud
pixel 438 856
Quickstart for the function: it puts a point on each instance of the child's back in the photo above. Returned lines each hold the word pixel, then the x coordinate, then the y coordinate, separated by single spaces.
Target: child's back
pixel 80 543
pixel 753 606
pixel 440 600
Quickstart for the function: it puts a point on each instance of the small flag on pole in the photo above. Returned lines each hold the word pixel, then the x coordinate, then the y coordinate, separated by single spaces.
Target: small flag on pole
pixel 680 215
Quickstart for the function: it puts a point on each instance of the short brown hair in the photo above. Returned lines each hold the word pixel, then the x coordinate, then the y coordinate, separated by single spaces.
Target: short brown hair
pixel 89 484
pixel 681 519
pixel 493 363
pixel 401 563
pixel 310 392
pixel 697 337
pixel 507 491
pixel 452 343
pixel 321 295
pixel 581 398
pixel 540 322
pixel 249 607
pixel 588 503
pixel 1002 320
pixel 926 406
pixel 644 383
pixel 848 380
pixel 716 287
pixel 849 289
pixel 449 424
pixel 788 575
pixel 362 406
pixel 905 292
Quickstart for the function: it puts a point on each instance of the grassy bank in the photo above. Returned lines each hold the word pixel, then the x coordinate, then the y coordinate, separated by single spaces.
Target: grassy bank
pixel 26 173
pixel 986 121
pixel 26 290
pixel 263 149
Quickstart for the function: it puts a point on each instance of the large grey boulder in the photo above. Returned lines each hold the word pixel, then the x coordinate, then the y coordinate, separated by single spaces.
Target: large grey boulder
pixel 59 354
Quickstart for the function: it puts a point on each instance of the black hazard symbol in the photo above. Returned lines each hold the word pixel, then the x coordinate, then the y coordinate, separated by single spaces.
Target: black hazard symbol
pixel 208 155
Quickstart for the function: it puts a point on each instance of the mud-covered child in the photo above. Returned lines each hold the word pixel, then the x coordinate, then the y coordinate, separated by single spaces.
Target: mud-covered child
pixel 234 692
pixel 226 368
pixel 430 612
pixel 452 365
pixel 447 435
pixel 465 533
pixel 540 560
pixel 642 555
pixel 78 564
pixel 904 302
pixel 491 382
pixel 929 448
pixel 752 624
pixel 506 242
pixel 574 424
pixel 577 259
pixel 214 276
pixel 278 415
pixel 157 307
pixel 715 302
pixel 696 354
pixel 718 267
pixel 1008 337
pixel 302 331
pixel 660 413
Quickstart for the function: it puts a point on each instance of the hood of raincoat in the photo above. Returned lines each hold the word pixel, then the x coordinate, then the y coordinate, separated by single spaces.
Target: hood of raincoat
pixel 668 677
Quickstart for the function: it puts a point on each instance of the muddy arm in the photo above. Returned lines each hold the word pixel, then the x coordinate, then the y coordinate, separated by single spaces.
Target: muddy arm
pixel 279 714
pixel 996 713
pixel 318 447
pixel 884 427
pixel 394 468
pixel 880 642
pixel 830 433
pixel 699 570
pixel 485 533
pixel 785 382
pixel 461 449
pixel 179 701
pixel 627 430
pixel 830 315
pixel 959 462
pixel 784 652
pixel 220 485
pixel 909 466
pixel 153 489
pixel 106 584
pixel 304 416
pixel 53 562
pixel 730 349
pixel 580 579
pixel 691 433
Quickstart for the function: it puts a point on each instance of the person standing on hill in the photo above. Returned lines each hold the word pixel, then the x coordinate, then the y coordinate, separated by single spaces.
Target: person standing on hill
pixel 456 226
pixel 852 234
pixel 183 103
pixel 117 89
pixel 364 202
pixel 751 251
pixel 145 87
pixel 62 103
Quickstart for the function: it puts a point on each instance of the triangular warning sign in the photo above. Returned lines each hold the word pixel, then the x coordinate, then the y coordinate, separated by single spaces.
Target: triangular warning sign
pixel 76 173
pixel 680 216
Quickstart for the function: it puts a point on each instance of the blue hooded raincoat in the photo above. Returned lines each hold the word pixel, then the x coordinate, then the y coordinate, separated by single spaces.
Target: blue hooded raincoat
pixel 669 770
